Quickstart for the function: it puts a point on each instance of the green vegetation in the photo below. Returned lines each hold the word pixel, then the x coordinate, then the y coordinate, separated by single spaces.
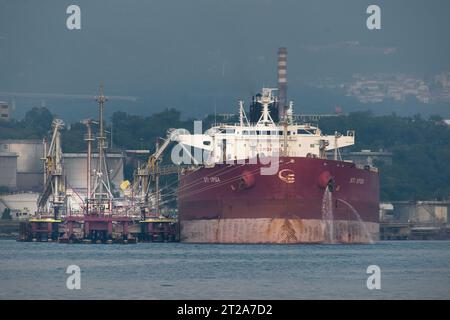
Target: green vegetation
pixel 420 147
pixel 137 132
pixel 34 125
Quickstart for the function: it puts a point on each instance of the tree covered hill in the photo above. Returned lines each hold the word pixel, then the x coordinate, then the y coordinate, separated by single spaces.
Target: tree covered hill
pixel 420 147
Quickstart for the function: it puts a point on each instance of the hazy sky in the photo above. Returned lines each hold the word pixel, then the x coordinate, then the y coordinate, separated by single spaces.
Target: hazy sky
pixel 192 54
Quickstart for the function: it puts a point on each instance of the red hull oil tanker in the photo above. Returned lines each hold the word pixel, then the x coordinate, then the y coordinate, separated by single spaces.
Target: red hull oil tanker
pixel 267 179
pixel 270 181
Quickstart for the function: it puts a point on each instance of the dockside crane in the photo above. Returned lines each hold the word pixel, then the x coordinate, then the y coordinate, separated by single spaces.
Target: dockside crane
pixel 150 172
pixel 54 195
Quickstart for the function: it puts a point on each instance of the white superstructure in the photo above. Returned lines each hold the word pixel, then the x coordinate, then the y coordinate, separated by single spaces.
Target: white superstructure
pixel 244 140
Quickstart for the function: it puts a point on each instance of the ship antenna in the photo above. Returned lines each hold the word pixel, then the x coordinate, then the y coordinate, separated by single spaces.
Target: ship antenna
pixel 241 114
pixel 215 112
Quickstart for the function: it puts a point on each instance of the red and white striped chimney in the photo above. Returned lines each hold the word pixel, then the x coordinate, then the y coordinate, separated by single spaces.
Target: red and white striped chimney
pixel 282 82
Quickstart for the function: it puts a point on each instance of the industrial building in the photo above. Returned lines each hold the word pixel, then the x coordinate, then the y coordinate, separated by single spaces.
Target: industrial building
pixel 21 170
pixel 421 212
pixel 8 170
pixel 22 166
pixel 409 220
pixel 369 157
pixel 29 175
pixel 365 157
pixel 75 166
pixel 81 200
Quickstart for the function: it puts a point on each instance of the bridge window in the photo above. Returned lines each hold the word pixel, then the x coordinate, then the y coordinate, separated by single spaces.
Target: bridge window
pixel 304 131
pixel 245 132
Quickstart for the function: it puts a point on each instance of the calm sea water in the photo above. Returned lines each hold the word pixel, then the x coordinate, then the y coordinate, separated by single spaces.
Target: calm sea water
pixel 409 270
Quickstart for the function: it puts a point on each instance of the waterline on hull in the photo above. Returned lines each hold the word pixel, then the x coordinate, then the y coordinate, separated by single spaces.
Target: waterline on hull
pixel 276 230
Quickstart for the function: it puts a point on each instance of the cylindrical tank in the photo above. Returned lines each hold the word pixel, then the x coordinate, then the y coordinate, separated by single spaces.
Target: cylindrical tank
pixel 29 163
pixel 75 167
pixel 8 170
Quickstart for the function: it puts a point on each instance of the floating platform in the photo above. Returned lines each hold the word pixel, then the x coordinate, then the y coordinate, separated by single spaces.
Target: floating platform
pixel 39 230
pixel 157 229
pixel 99 229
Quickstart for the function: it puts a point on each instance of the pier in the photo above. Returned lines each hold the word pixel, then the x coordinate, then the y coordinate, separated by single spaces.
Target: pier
pixel 101 217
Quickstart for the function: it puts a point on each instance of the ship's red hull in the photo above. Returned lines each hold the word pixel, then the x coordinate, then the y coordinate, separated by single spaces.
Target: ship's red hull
pixel 236 203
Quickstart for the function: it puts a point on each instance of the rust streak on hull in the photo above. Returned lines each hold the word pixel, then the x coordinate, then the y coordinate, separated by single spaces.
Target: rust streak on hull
pixel 265 230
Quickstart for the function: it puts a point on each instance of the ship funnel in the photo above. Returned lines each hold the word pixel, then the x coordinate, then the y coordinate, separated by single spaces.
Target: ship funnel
pixel 282 82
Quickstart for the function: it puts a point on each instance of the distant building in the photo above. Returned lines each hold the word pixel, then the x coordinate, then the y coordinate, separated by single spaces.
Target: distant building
pixel 376 88
pixel 415 220
pixel 368 157
pixel 365 157
pixel 421 212
pixel 4 111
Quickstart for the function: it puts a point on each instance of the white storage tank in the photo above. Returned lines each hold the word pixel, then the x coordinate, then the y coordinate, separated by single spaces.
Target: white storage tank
pixel 75 166
pixel 29 164
pixel 8 170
